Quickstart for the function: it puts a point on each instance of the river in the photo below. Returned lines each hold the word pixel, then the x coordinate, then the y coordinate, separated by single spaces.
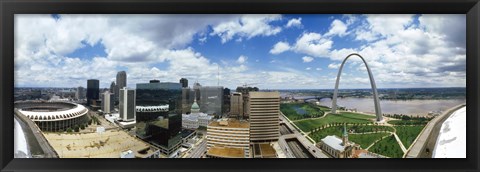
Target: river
pixel 407 107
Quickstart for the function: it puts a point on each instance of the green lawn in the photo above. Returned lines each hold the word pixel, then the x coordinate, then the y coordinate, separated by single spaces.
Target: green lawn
pixel 407 134
pixel 317 136
pixel 362 139
pixel 408 122
pixel 324 108
pixel 365 140
pixel 344 117
pixel 387 147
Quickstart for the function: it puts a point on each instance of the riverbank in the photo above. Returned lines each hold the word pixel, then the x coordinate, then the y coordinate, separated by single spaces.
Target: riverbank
pixel 412 108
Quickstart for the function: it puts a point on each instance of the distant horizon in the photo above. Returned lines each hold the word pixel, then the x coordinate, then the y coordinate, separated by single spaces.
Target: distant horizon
pixel 285 88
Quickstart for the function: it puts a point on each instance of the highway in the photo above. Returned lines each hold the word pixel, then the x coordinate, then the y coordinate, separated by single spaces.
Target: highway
pixel 298 150
pixel 302 141
pixel 199 150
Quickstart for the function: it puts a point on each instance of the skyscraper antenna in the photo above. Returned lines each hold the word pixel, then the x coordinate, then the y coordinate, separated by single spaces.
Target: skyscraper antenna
pixel 218 75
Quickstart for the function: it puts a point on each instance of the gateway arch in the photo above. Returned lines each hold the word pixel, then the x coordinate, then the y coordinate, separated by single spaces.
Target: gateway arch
pixel 378 110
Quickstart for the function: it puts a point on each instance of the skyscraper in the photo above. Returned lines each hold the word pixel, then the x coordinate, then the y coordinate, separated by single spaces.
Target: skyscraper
pixel 264 116
pixel 211 100
pixel 159 118
pixel 226 101
pixel 80 94
pixel 107 102
pixel 184 82
pixel 121 82
pixel 113 87
pixel 127 104
pixel 236 105
pixel 93 92
pixel 188 96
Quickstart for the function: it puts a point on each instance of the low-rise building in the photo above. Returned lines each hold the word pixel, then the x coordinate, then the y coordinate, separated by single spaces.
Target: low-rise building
pixel 196 118
pixel 228 138
pixel 338 147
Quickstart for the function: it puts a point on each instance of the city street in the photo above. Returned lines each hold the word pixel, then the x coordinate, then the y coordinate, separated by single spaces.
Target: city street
pixel 198 150
pixel 315 151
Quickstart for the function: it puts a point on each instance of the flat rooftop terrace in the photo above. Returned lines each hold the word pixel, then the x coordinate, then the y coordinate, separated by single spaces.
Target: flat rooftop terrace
pixel 264 150
pixel 226 152
pixel 230 123
pixel 108 144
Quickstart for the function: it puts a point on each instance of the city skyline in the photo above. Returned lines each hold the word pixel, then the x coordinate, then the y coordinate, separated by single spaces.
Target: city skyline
pixel 274 51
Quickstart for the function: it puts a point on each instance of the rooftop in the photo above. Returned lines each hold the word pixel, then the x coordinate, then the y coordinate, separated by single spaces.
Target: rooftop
pixel 108 144
pixel 334 142
pixel 230 123
pixel 226 152
pixel 264 150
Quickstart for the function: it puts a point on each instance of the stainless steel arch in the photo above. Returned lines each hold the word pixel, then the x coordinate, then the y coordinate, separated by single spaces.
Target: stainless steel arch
pixel 376 101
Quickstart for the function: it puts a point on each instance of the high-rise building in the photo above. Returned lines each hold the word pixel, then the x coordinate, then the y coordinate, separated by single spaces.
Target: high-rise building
pixel 211 100
pixel 121 82
pixel 264 108
pixel 159 118
pixel 184 82
pixel 245 94
pixel 188 96
pixel 80 94
pixel 127 105
pixel 196 88
pixel 236 105
pixel 113 88
pixel 93 92
pixel 226 101
pixel 107 102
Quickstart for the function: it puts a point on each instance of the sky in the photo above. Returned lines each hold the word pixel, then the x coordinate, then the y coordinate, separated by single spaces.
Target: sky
pixel 267 51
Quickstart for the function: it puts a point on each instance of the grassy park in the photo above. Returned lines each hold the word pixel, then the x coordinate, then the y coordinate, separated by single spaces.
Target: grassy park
pixel 296 111
pixel 373 133
pixel 407 134
pixel 365 140
pixel 387 147
pixel 344 117
pixel 362 130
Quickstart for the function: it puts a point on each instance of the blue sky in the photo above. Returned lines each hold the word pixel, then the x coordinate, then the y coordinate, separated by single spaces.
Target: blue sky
pixel 273 51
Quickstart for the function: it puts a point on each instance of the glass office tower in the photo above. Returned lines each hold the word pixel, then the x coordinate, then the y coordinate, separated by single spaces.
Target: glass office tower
pixel 93 91
pixel 159 118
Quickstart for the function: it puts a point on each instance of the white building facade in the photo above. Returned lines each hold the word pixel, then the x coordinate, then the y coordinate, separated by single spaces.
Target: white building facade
pixel 196 118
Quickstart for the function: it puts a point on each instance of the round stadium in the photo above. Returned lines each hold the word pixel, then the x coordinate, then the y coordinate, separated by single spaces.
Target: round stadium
pixel 53 116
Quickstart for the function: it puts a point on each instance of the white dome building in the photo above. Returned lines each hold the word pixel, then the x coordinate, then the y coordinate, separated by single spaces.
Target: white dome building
pixel 196 118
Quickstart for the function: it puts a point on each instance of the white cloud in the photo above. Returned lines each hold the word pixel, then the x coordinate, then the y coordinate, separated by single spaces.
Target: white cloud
pixel 334 65
pixel 247 26
pixel 337 28
pixel 280 47
pixel 294 23
pixel 313 44
pixel 430 53
pixel 242 59
pixel 307 59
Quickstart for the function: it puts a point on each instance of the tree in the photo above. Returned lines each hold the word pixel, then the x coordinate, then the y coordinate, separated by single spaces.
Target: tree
pixel 69 130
